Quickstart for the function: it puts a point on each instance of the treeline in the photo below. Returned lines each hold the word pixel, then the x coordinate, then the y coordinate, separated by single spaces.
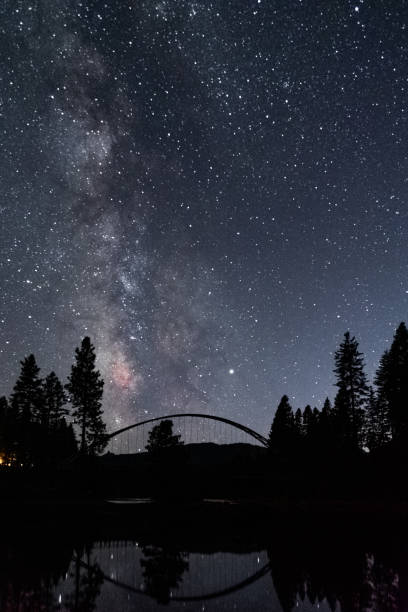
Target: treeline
pixel 36 422
pixel 362 417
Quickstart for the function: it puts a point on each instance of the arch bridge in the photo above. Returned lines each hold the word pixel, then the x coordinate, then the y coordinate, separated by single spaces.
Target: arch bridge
pixel 193 427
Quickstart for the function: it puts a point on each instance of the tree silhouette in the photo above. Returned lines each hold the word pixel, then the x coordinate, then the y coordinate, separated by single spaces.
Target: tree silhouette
pixel 298 423
pixel 85 388
pixel 326 424
pixel 282 433
pixel 327 407
pixel 3 429
pixel 27 399
pixel 392 382
pixel 87 585
pixel 26 413
pixel 378 427
pixel 161 437
pixel 315 425
pixel 307 421
pixel 54 400
pixel 162 571
pixel 352 391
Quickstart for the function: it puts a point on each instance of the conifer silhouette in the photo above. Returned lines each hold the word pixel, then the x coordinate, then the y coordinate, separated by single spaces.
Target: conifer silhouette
pixel 298 423
pixel 307 421
pixel 378 426
pixel 352 391
pixel 3 428
pixel 392 383
pixel 27 399
pixel 282 433
pixel 85 388
pixel 161 437
pixel 326 424
pixel 55 400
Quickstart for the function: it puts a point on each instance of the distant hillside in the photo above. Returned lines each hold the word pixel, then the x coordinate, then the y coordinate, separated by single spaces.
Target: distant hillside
pixel 204 455
pixel 192 470
pixel 216 454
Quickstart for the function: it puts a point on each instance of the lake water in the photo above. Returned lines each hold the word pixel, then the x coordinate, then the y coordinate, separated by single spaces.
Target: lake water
pixel 300 567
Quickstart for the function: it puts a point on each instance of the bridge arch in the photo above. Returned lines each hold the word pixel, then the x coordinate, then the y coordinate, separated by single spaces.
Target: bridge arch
pixel 251 432
pixel 264 571
pixel 204 595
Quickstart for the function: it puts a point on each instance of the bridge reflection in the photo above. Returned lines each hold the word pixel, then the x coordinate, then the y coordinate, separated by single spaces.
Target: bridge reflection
pixel 293 573
pixel 172 576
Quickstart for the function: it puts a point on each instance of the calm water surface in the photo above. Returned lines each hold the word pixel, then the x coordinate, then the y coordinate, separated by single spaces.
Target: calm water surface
pixel 300 567
pixel 125 576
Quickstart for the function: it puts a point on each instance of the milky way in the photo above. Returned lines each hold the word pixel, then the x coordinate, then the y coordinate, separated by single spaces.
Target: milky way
pixel 214 191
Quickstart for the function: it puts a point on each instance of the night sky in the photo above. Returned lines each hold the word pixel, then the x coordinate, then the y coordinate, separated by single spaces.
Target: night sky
pixel 214 191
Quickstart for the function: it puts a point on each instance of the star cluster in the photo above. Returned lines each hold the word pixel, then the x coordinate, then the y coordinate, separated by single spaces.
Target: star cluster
pixel 214 191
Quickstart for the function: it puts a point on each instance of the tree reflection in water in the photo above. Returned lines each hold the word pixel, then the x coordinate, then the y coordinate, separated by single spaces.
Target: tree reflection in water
pixel 29 573
pixel 359 584
pixel 337 576
pixel 88 579
pixel 162 571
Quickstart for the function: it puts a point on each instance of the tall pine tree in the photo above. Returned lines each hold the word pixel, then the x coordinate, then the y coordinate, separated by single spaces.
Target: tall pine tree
pixel 283 431
pixel 27 399
pixel 378 426
pixel 298 422
pixel 85 388
pixel 3 429
pixel 326 428
pixel 352 392
pixel 392 383
pixel 55 400
pixel 307 420
pixel 327 407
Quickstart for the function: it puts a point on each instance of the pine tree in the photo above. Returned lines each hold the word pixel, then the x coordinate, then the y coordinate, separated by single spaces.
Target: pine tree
pixel 315 423
pixel 382 381
pixel 378 427
pixel 327 407
pixel 55 400
pixel 9 431
pixel 326 423
pixel 282 434
pixel 311 421
pixel 298 423
pixel 352 393
pixel 307 421
pixel 3 406
pixel 85 388
pixel 392 382
pixel 27 399
pixel 161 437
pixel 3 429
pixel 383 373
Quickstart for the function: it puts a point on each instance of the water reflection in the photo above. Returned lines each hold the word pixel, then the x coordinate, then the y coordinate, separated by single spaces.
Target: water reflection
pixel 86 578
pixel 149 577
pixel 162 572
pixel 295 570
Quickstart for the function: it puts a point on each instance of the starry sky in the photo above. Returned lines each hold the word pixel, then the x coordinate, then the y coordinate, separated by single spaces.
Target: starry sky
pixel 213 190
